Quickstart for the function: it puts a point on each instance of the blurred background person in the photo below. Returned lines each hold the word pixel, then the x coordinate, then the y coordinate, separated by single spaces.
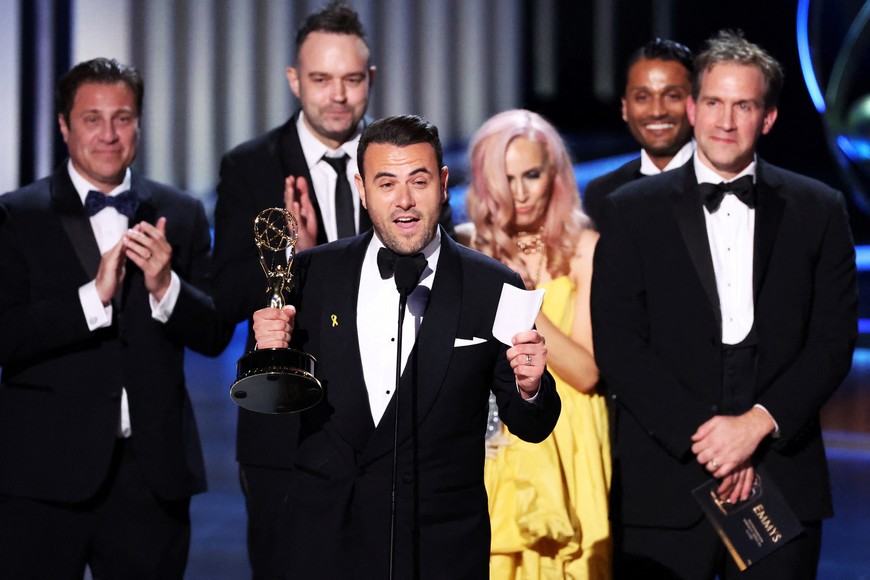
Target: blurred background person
pixel 658 83
pixel 105 279
pixel 548 502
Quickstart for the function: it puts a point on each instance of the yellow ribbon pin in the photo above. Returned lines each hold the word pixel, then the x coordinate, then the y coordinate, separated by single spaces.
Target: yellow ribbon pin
pixel 334 320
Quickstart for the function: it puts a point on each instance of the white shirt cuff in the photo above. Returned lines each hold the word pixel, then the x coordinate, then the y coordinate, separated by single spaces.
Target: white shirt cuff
pixel 161 311
pixel 531 399
pixel 96 315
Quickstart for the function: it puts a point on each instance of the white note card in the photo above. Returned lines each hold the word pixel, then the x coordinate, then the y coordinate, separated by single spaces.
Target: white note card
pixel 517 310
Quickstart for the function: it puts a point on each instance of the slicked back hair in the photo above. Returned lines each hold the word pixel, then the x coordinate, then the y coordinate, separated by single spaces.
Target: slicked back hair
pixel 729 46
pixel 401 131
pixel 99 70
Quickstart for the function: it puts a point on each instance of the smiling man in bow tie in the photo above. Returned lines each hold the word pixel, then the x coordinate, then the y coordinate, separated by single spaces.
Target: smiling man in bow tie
pixel 724 311
pixel 104 277
pixel 431 430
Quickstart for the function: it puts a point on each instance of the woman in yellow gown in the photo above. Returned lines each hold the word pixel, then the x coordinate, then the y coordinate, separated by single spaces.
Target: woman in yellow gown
pixel 549 501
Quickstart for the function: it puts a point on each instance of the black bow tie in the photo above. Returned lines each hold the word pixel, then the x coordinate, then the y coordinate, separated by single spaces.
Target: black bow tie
pixel 713 193
pixel 125 203
pixel 387 259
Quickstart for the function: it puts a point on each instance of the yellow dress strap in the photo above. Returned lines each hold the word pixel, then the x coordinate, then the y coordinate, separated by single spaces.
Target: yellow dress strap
pixel 559 302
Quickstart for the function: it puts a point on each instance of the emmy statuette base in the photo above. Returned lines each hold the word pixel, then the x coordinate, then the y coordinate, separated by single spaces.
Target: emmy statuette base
pixel 276 381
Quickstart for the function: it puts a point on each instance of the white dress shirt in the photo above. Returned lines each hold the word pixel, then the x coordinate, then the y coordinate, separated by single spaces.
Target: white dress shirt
pixel 647 167
pixel 378 319
pixel 323 176
pixel 731 234
pixel 109 227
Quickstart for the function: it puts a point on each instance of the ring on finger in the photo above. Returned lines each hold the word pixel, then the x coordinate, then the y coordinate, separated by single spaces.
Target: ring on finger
pixel 714 464
pixel 528 360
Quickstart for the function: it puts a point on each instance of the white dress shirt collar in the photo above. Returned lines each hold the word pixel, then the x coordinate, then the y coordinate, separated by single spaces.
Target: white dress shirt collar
pixel 323 176
pixel 314 149
pixel 647 167
pixel 83 186
pixel 706 175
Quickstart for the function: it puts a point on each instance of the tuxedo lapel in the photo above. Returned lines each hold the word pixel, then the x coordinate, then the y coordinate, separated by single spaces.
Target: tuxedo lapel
pixel 294 163
pixel 290 152
pixel 768 212
pixel 147 211
pixel 341 332
pixel 440 325
pixel 68 205
pixel 438 332
pixel 267 173
pixel 427 365
pixel 690 217
pixel 630 172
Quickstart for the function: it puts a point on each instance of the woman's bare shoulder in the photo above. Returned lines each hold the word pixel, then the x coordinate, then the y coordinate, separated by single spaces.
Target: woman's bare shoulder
pixel 586 243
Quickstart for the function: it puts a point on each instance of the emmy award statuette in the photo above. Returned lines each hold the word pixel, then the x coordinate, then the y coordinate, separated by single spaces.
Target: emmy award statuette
pixel 276 380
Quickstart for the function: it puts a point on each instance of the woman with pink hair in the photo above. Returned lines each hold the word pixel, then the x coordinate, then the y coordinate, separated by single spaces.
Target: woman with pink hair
pixel 548 502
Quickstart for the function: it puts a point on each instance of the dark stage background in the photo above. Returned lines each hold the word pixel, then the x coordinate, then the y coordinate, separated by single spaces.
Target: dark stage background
pixel 214 74
pixel 592 122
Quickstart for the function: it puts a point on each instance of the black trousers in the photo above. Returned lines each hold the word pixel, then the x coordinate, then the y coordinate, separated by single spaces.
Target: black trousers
pixel 697 553
pixel 123 533
pixel 264 489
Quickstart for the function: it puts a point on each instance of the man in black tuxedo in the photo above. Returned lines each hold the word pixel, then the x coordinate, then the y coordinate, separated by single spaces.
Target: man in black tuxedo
pixel 292 166
pixel 104 285
pixel 723 318
pixel 658 82
pixel 339 499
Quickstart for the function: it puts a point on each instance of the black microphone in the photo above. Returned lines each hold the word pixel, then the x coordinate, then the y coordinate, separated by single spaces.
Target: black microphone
pixel 407 271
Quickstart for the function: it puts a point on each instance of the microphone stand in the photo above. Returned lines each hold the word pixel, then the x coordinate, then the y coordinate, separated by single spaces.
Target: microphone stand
pixel 407 274
pixel 403 300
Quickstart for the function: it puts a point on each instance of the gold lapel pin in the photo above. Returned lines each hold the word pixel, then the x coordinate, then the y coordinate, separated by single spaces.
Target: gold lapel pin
pixel 334 320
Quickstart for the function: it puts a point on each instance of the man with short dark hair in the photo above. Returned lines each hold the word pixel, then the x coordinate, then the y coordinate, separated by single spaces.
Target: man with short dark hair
pixel 105 276
pixel 724 311
pixel 368 454
pixel 307 166
pixel 658 82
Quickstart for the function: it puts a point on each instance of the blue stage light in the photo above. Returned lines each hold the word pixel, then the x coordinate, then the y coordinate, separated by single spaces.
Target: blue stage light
pixel 803 42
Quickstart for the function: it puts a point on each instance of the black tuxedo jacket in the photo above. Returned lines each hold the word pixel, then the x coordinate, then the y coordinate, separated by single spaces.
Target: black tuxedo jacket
pixel 61 382
pixel 339 496
pixel 657 332
pixel 604 185
pixel 251 180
